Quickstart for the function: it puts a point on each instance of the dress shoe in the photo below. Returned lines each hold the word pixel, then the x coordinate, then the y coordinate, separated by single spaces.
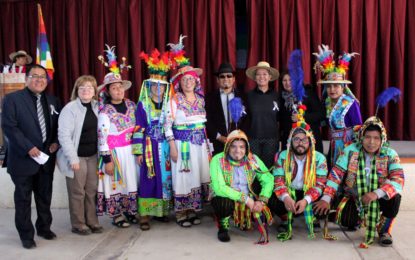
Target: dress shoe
pixel 81 231
pixel 96 229
pixel 28 244
pixel 48 235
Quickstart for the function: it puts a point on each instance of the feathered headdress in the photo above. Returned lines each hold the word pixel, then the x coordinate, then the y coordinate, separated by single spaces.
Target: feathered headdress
pixel 112 64
pixel 178 54
pixel 158 64
pixel 326 64
pixel 182 64
pixel 113 76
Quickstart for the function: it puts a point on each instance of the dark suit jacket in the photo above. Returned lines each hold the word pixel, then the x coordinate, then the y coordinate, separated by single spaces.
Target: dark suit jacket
pixel 20 125
pixel 216 119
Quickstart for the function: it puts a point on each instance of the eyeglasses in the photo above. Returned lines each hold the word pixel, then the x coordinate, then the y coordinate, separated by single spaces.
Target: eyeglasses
pixel 35 76
pixel 298 140
pixel 86 88
pixel 189 78
pixel 224 76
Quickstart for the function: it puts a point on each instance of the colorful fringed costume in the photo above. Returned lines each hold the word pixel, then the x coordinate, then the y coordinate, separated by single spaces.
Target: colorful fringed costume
pixel 185 124
pixel 311 171
pixel 234 181
pixel 358 174
pixel 117 193
pixel 342 114
pixel 149 141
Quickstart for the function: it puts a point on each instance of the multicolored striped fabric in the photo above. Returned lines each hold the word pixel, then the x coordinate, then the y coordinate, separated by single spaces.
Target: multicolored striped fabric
pixel 371 211
pixel 43 55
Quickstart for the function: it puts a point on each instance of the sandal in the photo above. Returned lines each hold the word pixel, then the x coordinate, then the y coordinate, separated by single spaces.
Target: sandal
pixel 121 224
pixel 184 223
pixel 195 220
pixel 132 219
pixel 144 226
pixel 385 239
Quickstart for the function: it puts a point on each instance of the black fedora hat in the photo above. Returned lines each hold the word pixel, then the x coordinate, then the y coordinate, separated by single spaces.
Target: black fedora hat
pixel 225 68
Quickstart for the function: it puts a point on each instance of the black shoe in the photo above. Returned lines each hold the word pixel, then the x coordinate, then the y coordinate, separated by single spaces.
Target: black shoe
pixel 223 235
pixel 282 228
pixel 48 235
pixel 28 244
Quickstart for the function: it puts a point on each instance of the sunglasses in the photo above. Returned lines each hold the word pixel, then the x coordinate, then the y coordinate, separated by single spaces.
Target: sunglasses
pixel 224 76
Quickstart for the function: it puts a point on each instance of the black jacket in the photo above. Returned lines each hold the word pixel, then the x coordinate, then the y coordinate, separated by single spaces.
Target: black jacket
pixel 21 127
pixel 216 119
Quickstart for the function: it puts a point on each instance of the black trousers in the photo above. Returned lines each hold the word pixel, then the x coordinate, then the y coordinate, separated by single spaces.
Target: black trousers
pixel 41 185
pixel 350 216
pixel 265 149
pixel 224 207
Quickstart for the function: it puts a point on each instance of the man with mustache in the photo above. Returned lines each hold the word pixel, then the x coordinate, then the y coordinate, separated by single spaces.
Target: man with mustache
pixel 219 122
pixel 300 176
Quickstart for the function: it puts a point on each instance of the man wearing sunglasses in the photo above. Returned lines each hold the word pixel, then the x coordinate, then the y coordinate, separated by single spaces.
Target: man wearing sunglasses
pixel 300 177
pixel 219 122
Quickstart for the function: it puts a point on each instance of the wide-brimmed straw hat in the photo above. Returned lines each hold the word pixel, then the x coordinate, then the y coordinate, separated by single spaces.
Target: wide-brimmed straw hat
pixel 114 78
pixel 21 53
pixel 250 72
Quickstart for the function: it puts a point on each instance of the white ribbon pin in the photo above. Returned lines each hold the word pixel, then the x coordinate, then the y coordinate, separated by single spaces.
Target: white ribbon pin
pixel 275 106
pixel 53 110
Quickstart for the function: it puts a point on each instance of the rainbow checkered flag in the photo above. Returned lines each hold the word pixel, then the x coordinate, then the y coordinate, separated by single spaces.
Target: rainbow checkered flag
pixel 43 56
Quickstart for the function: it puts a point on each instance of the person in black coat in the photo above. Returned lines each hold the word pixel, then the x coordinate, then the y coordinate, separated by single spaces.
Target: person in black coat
pixel 30 123
pixel 219 122
pixel 314 115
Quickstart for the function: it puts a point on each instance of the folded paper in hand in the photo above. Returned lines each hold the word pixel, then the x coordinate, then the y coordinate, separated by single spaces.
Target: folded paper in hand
pixel 42 158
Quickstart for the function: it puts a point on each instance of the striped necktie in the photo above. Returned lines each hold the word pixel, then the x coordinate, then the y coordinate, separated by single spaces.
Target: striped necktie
pixel 41 117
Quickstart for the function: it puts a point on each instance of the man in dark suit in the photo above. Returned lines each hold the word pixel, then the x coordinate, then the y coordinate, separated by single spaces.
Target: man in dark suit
pixel 219 123
pixel 30 122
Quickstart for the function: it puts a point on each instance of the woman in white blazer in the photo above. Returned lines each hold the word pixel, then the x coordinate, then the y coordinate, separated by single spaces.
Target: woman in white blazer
pixel 77 158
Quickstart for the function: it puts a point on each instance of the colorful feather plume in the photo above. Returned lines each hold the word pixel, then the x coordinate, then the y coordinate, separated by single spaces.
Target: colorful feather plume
pixel 112 64
pixel 236 109
pixel 326 64
pixel 158 64
pixel 296 72
pixel 325 61
pixel 387 95
pixel 177 53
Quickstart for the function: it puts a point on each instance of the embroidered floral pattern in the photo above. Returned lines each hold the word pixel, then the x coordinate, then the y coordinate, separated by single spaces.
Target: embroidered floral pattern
pixel 193 200
pixel 189 109
pixel 117 204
